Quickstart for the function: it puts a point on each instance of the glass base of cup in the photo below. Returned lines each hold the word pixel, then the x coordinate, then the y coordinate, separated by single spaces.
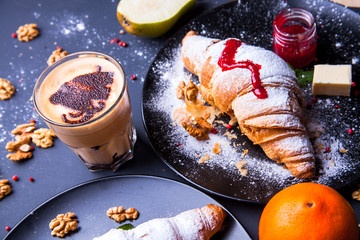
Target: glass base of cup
pixel 119 160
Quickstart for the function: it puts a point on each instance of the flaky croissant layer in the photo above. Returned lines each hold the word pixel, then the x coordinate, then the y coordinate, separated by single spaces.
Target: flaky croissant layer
pixel 273 121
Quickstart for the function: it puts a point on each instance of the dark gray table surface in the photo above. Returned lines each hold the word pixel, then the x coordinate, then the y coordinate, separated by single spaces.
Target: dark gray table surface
pixel 79 25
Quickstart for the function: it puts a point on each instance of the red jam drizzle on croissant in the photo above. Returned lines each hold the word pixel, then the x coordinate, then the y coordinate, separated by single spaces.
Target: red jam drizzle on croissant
pixel 227 62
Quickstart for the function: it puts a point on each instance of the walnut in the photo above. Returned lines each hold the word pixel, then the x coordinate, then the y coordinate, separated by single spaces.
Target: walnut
pixel 120 214
pixel 241 166
pixel 19 155
pixel 63 224
pixel 5 188
pixel 199 130
pixel 27 32
pixel 56 55
pixel 190 91
pixel 217 148
pixel 180 90
pixel 24 135
pixel 356 194
pixel 6 89
pixel 21 145
pixel 26 128
pixel 343 150
pixel 43 137
pixel 204 158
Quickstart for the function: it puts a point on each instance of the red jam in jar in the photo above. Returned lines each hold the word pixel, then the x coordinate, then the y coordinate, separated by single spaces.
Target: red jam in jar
pixel 295 37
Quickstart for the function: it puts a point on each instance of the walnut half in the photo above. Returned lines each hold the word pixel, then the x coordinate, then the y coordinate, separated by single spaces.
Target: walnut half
pixel 20 149
pixel 120 214
pixel 199 130
pixel 189 91
pixel 5 188
pixel 27 32
pixel 56 55
pixel 63 224
pixel 43 137
pixel 6 89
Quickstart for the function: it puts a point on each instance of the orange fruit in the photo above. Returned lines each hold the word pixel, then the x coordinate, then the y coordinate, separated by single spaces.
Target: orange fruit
pixel 308 211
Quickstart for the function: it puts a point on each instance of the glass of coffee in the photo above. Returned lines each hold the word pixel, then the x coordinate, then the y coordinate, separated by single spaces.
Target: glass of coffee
pixel 84 99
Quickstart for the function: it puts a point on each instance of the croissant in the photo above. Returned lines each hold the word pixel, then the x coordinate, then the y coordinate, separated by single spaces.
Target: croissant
pixel 193 224
pixel 260 90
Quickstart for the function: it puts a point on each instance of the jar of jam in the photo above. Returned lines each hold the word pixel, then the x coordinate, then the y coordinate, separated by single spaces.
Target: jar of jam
pixel 295 37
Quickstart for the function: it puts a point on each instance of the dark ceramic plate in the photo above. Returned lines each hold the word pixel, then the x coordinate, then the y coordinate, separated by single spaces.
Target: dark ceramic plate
pixel 154 197
pixel 251 21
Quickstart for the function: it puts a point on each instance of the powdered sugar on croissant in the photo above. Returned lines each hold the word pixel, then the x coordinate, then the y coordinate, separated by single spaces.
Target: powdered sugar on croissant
pixel 274 121
pixel 195 224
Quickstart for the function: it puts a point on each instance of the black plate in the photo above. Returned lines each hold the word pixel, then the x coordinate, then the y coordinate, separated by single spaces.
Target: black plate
pixel 154 197
pixel 251 21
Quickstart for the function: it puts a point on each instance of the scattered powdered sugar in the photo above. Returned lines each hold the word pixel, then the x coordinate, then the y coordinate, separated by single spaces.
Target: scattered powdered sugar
pixel 68 24
pixel 332 166
pixel 172 72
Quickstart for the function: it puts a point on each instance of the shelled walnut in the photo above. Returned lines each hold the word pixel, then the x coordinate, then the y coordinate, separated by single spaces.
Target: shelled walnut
pixel 200 129
pixel 356 194
pixel 56 55
pixel 189 91
pixel 21 145
pixel 63 224
pixel 217 148
pixel 5 188
pixel 120 214
pixel 6 89
pixel 43 137
pixel 241 166
pixel 20 149
pixel 27 32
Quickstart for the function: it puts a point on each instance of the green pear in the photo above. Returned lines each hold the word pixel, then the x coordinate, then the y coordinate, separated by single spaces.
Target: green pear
pixel 151 18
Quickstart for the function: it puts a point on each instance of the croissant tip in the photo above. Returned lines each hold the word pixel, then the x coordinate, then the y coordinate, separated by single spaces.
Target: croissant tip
pixel 189 34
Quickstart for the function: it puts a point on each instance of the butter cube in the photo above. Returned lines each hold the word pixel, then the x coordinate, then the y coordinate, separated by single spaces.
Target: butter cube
pixel 332 80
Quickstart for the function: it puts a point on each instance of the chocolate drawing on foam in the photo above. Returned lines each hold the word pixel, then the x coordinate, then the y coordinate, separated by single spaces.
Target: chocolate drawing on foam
pixel 85 94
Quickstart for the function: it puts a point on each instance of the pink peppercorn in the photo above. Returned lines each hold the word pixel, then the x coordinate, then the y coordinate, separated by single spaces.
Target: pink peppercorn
pixel 327 149
pixel 111 41
pixel 31 179
pixel 337 106
pixel 7 228
pixel 14 35
pixel 15 178
pixel 124 44
pixel 229 126
pixel 116 40
pixel 133 77
pixel 213 131
pixel 353 84
pixel 32 121
pixel 350 131
pixel 314 99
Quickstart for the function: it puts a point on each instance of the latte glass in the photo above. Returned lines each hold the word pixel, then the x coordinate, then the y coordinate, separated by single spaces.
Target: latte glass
pixel 84 99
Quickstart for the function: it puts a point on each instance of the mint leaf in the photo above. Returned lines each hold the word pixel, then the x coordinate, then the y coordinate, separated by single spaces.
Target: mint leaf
pixel 304 76
pixel 126 227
